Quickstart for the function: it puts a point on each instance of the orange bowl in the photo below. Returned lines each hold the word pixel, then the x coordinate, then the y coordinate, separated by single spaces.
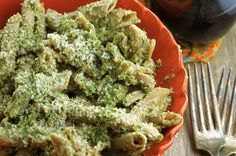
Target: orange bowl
pixel 167 50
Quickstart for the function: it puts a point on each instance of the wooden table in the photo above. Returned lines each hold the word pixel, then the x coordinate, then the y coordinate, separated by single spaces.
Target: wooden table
pixel 183 144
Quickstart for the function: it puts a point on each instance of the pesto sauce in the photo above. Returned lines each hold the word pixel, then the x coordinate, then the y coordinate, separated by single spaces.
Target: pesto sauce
pixel 71 82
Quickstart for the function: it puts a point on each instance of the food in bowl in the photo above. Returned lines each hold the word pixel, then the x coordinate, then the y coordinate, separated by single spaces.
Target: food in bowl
pixel 79 83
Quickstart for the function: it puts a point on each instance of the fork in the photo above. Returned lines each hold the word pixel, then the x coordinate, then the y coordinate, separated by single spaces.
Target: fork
pixel 227 114
pixel 207 129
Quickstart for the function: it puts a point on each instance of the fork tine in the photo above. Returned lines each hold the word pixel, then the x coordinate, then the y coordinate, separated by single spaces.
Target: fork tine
pixel 206 99
pixel 220 86
pixel 199 100
pixel 225 100
pixel 214 100
pixel 209 140
pixel 229 128
pixel 191 101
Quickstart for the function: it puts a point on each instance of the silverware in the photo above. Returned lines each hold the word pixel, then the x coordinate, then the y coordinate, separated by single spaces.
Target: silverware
pixel 227 105
pixel 205 115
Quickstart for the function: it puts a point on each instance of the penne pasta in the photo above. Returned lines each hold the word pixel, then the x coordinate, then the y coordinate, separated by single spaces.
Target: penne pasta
pixel 116 119
pixel 133 97
pixel 67 22
pixel 39 31
pixel 98 10
pixel 36 88
pixel 33 26
pixel 26 32
pixel 133 143
pixel 88 85
pixel 9 47
pixel 79 83
pixel 70 53
pixel 164 119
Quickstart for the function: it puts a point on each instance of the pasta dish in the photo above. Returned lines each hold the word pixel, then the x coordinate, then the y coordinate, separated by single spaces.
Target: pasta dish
pixel 79 84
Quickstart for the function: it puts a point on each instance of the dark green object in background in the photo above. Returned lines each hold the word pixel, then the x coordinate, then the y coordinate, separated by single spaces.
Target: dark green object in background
pixel 196 20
